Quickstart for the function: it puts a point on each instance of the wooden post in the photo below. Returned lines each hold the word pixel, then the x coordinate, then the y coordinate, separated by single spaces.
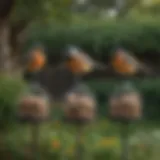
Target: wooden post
pixel 125 141
pixel 35 133
pixel 79 147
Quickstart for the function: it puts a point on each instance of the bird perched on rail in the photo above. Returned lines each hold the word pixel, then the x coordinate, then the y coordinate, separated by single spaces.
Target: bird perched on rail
pixel 126 64
pixel 36 60
pixel 79 63
pixel 76 63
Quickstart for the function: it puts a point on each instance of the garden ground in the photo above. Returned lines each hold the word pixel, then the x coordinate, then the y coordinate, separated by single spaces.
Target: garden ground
pixel 100 141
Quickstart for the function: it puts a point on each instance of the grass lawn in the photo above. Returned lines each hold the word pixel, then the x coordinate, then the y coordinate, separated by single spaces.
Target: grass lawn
pixel 99 141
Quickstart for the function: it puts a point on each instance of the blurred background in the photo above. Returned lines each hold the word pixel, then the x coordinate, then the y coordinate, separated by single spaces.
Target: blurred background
pixel 98 27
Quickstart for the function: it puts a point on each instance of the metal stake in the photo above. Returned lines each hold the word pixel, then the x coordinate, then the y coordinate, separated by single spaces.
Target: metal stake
pixel 125 141
pixel 79 147
pixel 35 130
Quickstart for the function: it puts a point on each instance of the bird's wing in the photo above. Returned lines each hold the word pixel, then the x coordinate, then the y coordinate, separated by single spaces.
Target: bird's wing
pixel 142 67
pixel 96 64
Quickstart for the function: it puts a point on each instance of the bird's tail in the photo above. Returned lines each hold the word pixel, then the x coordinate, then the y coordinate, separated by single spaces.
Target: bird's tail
pixel 147 70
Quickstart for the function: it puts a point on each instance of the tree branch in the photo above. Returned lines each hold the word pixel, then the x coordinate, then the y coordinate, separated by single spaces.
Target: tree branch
pixel 6 8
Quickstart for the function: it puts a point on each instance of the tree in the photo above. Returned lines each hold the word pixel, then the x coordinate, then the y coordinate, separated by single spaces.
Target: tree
pixel 151 6
pixel 5 11
pixel 126 6
pixel 16 16
pixel 122 7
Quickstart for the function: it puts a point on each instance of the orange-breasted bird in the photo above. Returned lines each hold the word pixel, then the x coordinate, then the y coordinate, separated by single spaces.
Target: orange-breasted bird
pixel 126 64
pixel 79 63
pixel 66 75
pixel 36 60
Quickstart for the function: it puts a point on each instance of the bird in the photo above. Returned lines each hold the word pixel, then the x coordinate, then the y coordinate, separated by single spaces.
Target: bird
pixel 36 61
pixel 33 65
pixel 62 78
pixel 79 62
pixel 125 63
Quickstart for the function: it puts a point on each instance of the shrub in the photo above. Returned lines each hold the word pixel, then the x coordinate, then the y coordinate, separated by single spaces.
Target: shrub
pixel 60 143
pixel 149 89
pixel 100 39
pixel 10 90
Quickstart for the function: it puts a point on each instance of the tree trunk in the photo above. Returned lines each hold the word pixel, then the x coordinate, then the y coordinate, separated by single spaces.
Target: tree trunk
pixel 5 63
pixel 121 8
pixel 5 11
pixel 18 36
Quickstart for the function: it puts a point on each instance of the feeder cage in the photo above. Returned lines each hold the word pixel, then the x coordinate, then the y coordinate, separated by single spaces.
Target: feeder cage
pixel 125 104
pixel 80 107
pixel 33 107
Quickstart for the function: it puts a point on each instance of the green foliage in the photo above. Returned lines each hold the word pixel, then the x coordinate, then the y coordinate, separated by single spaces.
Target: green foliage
pixel 10 90
pixel 58 141
pixel 149 89
pixel 41 11
pixel 148 7
pixel 99 39
pixel 103 3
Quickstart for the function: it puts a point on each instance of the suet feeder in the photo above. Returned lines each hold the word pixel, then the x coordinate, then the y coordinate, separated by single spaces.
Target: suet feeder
pixel 80 110
pixel 125 106
pixel 33 108
pixel 80 107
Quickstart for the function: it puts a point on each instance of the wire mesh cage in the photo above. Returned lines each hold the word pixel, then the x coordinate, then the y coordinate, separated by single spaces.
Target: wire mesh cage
pixel 125 103
pixel 80 106
pixel 33 105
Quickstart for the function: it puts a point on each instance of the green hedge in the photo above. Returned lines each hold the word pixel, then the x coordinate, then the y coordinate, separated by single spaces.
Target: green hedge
pixel 100 39
pixel 10 90
pixel 150 90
